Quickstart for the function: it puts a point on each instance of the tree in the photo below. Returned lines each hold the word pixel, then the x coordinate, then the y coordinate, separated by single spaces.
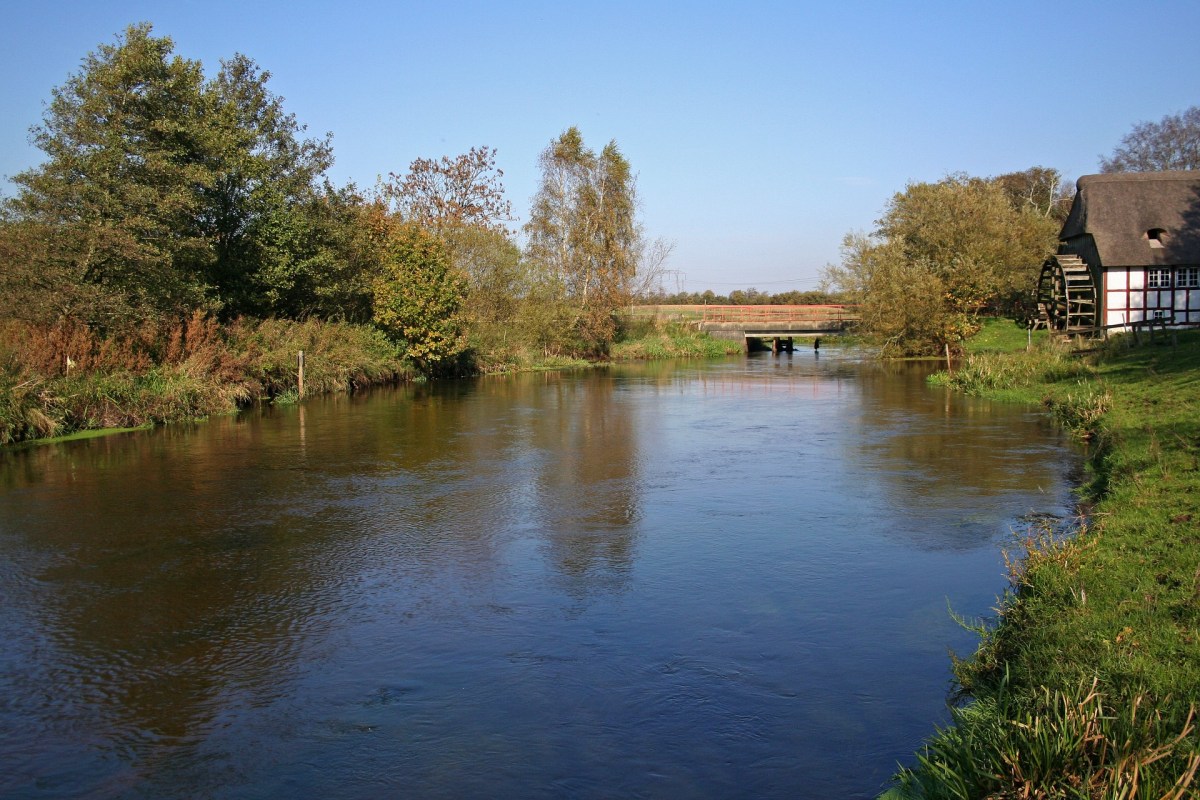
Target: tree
pixel 985 251
pixel 1040 189
pixel 167 193
pixel 416 294
pixel 942 254
pixel 129 156
pixel 584 233
pixel 461 192
pixel 1171 143
pixel 258 209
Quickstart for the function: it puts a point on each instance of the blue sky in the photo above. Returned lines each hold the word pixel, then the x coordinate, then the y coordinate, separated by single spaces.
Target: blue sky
pixel 761 132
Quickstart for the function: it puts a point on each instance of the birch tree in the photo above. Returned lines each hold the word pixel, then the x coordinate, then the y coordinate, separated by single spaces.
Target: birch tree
pixel 583 231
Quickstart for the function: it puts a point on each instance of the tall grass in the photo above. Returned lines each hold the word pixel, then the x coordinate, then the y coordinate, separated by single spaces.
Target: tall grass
pixel 646 340
pixel 1080 402
pixel 1065 743
pixel 59 380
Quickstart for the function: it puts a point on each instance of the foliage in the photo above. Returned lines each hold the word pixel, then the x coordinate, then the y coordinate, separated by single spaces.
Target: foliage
pixel 1171 143
pixel 257 210
pixel 1023 370
pixel 985 250
pixel 584 235
pixel 417 296
pixel 448 193
pixel 163 193
pixel 748 296
pixel 171 210
pixel 1038 189
pixel 942 254
pixel 1067 743
pixel 129 155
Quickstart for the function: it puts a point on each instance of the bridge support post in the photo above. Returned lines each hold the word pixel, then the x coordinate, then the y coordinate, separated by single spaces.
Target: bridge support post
pixel 791 346
pixel 775 345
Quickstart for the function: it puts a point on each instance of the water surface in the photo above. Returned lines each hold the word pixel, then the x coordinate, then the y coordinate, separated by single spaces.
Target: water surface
pixel 722 580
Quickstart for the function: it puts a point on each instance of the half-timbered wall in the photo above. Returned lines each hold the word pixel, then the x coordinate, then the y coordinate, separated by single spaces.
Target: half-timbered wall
pixel 1136 294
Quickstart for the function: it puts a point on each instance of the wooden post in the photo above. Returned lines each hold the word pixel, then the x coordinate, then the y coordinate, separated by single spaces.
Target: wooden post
pixel 300 375
pixel 947 356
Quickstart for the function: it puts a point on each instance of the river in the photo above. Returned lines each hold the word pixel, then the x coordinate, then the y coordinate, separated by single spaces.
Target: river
pixel 699 579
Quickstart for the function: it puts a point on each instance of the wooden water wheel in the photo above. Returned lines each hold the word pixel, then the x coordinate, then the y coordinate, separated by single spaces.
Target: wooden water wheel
pixel 1067 296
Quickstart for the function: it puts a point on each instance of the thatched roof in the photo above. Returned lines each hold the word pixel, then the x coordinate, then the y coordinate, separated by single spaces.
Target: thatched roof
pixel 1135 219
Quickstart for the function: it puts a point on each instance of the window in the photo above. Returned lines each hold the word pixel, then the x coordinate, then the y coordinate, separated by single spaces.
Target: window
pixel 1155 237
pixel 1159 314
pixel 1188 278
pixel 1158 279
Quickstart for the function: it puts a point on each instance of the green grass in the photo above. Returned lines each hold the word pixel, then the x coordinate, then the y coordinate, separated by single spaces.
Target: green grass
pixel 1002 335
pixel 1116 607
pixel 672 341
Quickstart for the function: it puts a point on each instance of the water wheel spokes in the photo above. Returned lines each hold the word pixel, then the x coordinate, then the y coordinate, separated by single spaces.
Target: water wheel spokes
pixel 1067 296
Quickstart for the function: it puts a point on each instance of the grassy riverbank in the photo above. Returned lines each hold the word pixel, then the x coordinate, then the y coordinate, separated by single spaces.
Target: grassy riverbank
pixel 650 341
pixel 190 371
pixel 1086 685
pixel 198 369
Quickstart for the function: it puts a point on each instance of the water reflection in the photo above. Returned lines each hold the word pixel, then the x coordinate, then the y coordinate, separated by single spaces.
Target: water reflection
pixel 723 579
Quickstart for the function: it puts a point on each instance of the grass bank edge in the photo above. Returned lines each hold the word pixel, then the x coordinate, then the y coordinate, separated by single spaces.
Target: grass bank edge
pixel 1085 683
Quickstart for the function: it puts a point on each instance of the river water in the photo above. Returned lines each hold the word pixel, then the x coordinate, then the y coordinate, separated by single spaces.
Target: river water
pixel 708 579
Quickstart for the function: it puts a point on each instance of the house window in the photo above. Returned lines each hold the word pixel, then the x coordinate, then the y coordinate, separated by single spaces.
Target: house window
pixel 1188 278
pixel 1158 279
pixel 1159 314
pixel 1155 237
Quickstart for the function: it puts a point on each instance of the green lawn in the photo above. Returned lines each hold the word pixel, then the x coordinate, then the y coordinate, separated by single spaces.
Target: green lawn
pixel 1000 335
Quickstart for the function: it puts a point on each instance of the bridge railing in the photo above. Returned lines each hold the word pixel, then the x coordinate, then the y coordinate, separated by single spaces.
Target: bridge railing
pixel 755 313
pixel 761 314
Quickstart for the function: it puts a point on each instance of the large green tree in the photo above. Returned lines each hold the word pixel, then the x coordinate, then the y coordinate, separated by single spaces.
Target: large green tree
pixel 263 208
pixel 129 157
pixel 164 193
pixel 416 292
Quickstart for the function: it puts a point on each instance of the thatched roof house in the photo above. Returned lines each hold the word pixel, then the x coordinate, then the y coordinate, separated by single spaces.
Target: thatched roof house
pixel 1135 219
pixel 1128 253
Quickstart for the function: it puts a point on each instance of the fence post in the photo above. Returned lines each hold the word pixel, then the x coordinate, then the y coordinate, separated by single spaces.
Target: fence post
pixel 300 375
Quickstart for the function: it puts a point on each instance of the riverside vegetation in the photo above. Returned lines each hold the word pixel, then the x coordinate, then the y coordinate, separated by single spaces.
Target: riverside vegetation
pixel 1085 684
pixel 182 242
pixel 197 368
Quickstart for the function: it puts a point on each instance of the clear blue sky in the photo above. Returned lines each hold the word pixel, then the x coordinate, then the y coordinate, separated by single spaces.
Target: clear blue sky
pixel 761 132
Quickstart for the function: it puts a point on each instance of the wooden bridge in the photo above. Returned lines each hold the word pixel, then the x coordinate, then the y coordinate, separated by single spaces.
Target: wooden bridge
pixel 760 323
